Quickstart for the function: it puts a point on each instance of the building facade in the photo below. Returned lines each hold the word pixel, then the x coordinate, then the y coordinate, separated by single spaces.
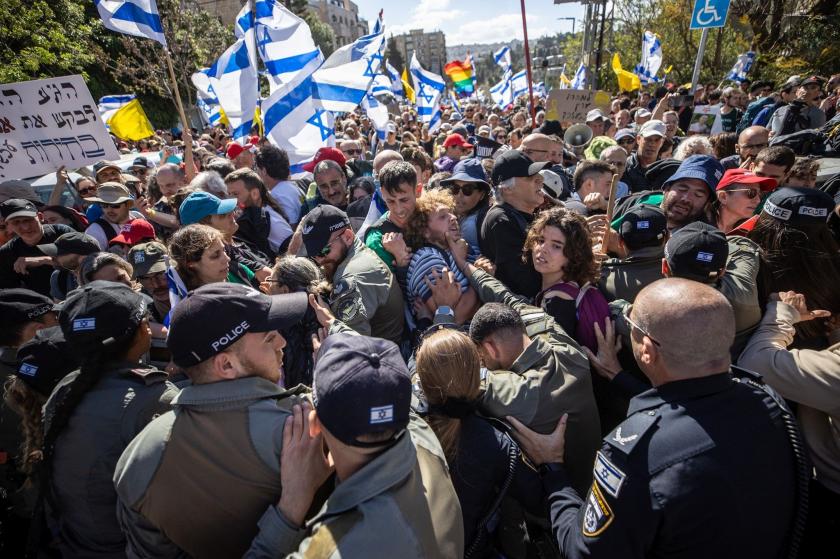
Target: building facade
pixel 343 17
pixel 430 48
pixel 226 10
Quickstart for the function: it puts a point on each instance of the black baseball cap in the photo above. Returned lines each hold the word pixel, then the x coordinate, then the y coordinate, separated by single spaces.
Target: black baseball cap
pixel 211 318
pixel 140 162
pixel 44 360
pixel 514 163
pixel 319 225
pixel 71 243
pixel 18 306
pixel 697 251
pixel 643 226
pixel 99 314
pixel 798 205
pixel 361 386
pixel 18 207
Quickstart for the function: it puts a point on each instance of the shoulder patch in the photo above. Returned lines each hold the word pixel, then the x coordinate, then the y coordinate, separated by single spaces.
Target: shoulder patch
pixel 346 301
pixel 150 375
pixel 325 539
pixel 627 435
pixel 608 475
pixel 597 515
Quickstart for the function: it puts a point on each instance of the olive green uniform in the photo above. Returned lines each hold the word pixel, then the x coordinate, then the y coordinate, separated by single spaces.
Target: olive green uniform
pixel 366 295
pixel 551 377
pixel 623 278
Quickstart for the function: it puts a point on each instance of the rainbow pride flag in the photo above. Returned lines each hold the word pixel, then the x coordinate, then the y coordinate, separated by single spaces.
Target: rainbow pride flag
pixel 461 75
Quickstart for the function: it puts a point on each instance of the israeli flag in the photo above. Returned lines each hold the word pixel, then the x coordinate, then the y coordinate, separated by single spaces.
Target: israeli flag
pixel 206 99
pixel 502 58
pixel 381 86
pixel 139 18
pixel 284 43
pixel 177 288
pixel 742 66
pixel 110 104
pixel 519 83
pixel 429 88
pixel 502 92
pixel 344 78
pixel 651 59
pixel 296 122
pixel 580 78
pixel 396 81
pixel 233 78
pixel 377 112
pixel 540 89
pixel 456 104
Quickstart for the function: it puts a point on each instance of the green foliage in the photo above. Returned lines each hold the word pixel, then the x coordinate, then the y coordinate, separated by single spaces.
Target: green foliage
pixel 40 38
pixel 322 33
pixel 393 55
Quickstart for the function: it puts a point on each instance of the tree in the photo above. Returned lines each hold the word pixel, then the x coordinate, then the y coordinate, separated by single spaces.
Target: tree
pixel 322 33
pixel 393 54
pixel 40 39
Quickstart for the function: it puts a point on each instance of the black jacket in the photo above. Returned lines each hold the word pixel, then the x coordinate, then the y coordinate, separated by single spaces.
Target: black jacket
pixel 38 278
pixel 501 240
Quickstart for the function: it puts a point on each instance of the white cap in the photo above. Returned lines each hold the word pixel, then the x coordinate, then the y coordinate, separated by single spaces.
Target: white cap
pixel 552 184
pixel 391 127
pixel 624 133
pixel 595 114
pixel 652 128
pixel 644 113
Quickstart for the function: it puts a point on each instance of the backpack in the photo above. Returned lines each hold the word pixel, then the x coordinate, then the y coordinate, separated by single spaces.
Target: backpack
pixel 590 308
pixel 794 120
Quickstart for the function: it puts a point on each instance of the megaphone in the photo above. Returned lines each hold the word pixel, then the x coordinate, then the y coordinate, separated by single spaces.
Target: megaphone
pixel 578 137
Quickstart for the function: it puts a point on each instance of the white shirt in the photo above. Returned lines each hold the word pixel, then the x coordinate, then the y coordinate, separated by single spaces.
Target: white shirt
pixel 280 229
pixel 95 230
pixel 288 195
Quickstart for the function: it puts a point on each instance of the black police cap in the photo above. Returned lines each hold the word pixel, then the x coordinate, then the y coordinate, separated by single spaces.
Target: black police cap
pixel 697 252
pixel 319 225
pixel 642 226
pixel 798 205
pixel 44 360
pixel 513 163
pixel 19 306
pixel 71 243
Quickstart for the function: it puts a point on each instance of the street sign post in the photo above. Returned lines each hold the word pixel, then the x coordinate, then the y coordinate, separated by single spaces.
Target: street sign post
pixel 707 14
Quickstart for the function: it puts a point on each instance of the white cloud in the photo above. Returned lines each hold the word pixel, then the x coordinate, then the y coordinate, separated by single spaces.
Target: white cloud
pixel 500 28
pixel 428 15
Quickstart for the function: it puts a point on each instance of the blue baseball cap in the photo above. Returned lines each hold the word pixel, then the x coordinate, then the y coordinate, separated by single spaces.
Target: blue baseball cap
pixel 467 170
pixel 199 205
pixel 702 167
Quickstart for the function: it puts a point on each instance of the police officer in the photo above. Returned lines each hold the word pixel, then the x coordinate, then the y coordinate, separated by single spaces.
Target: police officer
pixel 94 412
pixel 701 467
pixel 196 480
pixel 394 496
pixel 642 233
pixel 536 372
pixel 366 295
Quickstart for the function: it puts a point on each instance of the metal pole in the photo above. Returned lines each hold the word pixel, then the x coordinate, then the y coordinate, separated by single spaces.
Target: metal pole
pixel 528 62
pixel 700 50
pixel 594 85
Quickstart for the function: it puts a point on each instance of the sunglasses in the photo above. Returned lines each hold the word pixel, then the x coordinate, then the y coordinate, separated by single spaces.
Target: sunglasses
pixel 112 206
pixel 751 192
pixel 466 190
pixel 642 330
pixel 87 192
pixel 327 248
pixel 627 141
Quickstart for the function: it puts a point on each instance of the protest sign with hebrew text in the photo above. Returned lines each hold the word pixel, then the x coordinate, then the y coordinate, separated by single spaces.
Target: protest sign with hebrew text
pixel 569 105
pixel 45 124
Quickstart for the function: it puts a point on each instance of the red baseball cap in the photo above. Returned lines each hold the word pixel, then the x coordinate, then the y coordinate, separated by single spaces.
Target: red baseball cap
pixel 456 140
pixel 234 150
pixel 134 232
pixel 333 154
pixel 742 176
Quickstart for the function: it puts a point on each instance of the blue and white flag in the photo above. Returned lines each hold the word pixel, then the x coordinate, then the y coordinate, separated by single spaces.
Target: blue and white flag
pixel 344 78
pixel 381 86
pixel 297 123
pixel 177 288
pixel 456 104
pixel 284 42
pixel 206 99
pixel 110 104
pixel 651 59
pixel 132 17
pixel 519 83
pixel 540 89
pixel 233 78
pixel 580 78
pixel 428 89
pixel 502 58
pixel 396 81
pixel 502 92
pixel 377 112
pixel 742 66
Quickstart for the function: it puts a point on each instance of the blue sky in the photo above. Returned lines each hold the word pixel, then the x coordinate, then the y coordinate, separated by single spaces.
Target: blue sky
pixel 473 21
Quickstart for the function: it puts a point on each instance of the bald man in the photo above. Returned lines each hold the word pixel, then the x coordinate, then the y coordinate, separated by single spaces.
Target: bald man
pixel 702 466
pixel 751 141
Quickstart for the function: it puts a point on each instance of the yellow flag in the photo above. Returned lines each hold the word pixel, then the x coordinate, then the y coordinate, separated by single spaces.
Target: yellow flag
pixel 409 91
pixel 564 80
pixel 668 69
pixel 627 81
pixel 130 122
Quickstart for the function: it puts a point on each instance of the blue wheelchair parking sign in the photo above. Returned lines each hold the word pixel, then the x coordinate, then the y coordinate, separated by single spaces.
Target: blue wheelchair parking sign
pixel 709 13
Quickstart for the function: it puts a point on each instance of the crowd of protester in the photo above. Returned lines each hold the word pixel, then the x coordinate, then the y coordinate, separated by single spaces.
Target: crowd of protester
pixel 491 340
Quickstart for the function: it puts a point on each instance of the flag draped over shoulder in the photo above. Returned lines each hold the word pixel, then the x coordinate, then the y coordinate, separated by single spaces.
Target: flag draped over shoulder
pixel 651 59
pixel 430 86
pixel 461 75
pixel 139 18
pixel 627 81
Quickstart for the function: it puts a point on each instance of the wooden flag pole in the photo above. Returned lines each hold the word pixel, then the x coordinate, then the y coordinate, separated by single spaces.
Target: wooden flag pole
pixel 610 210
pixel 174 85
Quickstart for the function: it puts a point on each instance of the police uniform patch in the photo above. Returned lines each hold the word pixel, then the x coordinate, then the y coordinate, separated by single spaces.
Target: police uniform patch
pixel 608 475
pixel 346 301
pixel 597 516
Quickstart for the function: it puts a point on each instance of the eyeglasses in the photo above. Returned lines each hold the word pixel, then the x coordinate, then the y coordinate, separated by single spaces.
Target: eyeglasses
pixel 529 151
pixel 755 146
pixel 642 330
pixel 466 190
pixel 751 192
